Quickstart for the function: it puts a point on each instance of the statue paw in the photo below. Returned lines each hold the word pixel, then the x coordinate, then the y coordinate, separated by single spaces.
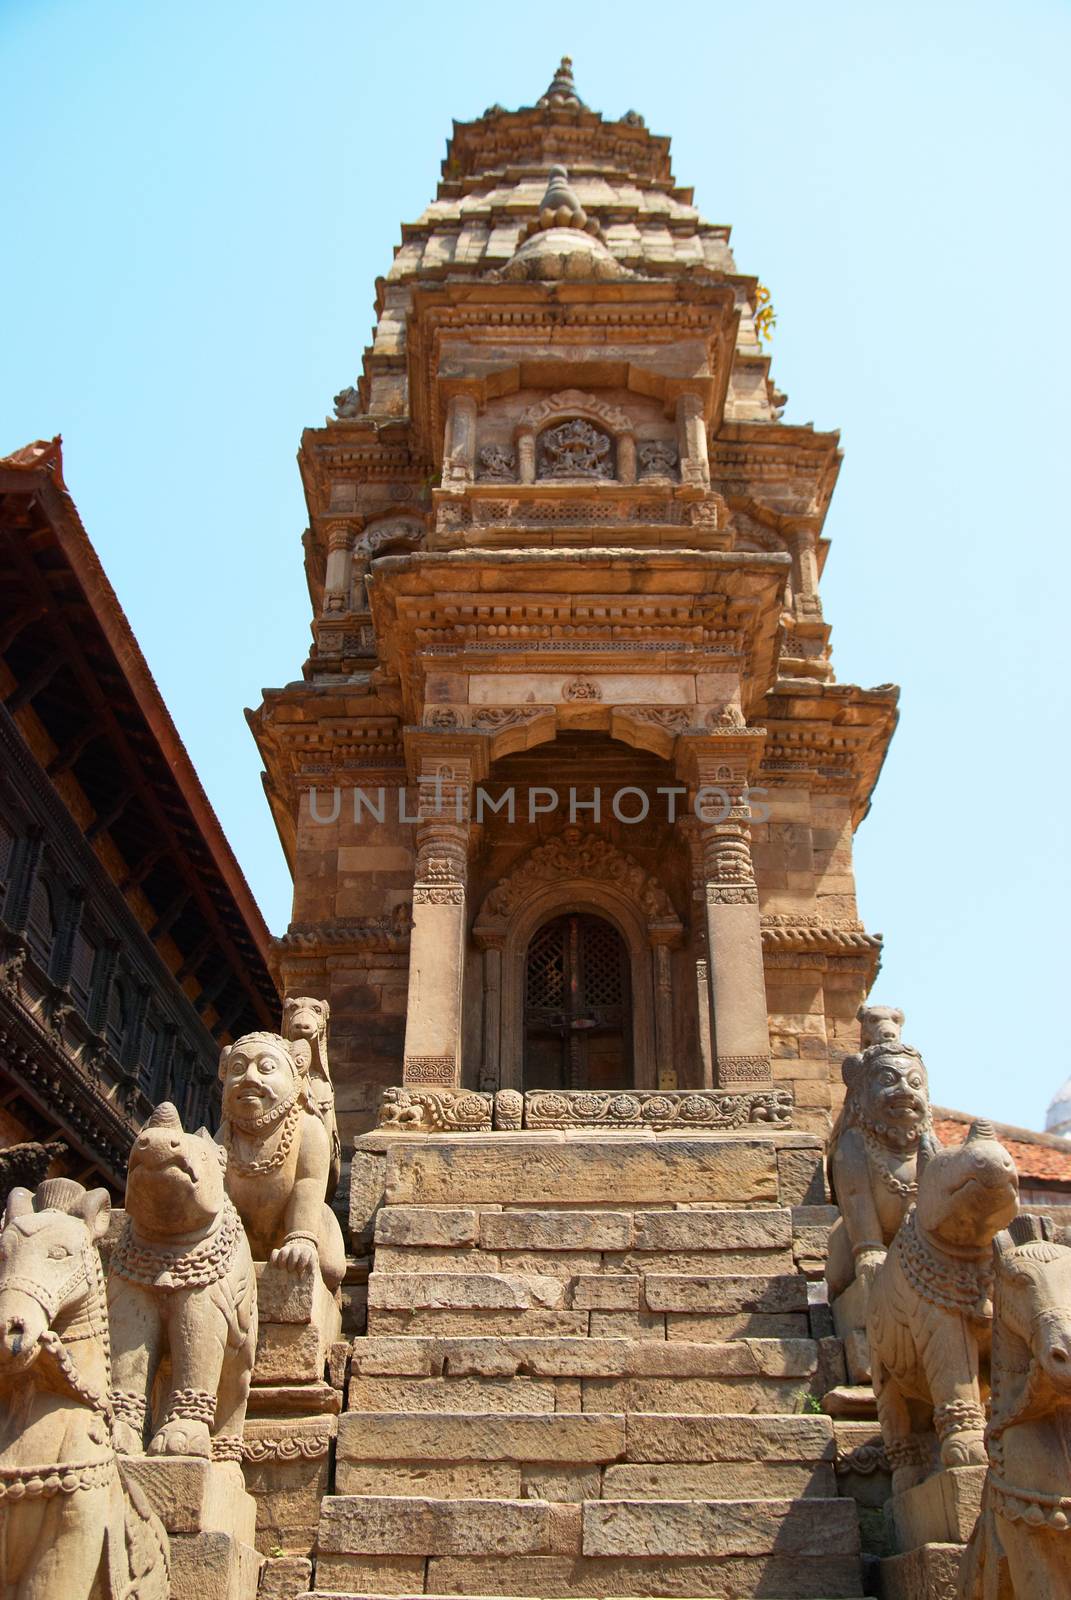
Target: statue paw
pixel 964 1450
pixel 182 1437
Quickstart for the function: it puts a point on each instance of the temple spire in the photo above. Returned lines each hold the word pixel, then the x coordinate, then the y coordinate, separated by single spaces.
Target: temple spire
pixel 562 95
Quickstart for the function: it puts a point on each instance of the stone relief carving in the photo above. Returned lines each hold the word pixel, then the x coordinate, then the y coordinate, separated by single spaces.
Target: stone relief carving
pixel 432 1111
pixel 929 1317
pixel 575 854
pixel 348 402
pixel 581 689
pixel 657 458
pixel 497 463
pixel 63 1503
pixel 181 1284
pixel 872 1164
pixel 1021 1544
pixel 613 420
pixel 306 1018
pixel 509 1110
pixel 279 1156
pixel 574 449
pixel 699 1108
pixel 432 1069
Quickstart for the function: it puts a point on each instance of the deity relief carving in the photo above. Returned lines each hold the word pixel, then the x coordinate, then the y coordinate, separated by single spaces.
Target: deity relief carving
pixel 930 1312
pixel 1021 1545
pixel 69 1525
pixel 657 458
pixel 497 463
pixel 279 1156
pixel 181 1284
pixel 574 449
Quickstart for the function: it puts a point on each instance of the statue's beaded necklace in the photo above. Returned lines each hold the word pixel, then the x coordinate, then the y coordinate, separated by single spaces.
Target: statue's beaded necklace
pixel 287 1116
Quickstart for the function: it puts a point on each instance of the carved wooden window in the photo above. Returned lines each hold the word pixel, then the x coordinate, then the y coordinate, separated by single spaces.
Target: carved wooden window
pixel 84 952
pixel 41 922
pixel 574 449
pixel 578 1013
pixel 149 1056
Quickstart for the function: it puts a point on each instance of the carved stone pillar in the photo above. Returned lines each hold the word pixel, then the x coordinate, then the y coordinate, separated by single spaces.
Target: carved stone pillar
pixel 804 547
pixel 665 1056
pixel 741 1033
pixel 526 455
pixel 491 1074
pixel 340 541
pixel 626 458
pixel 445 771
pixel 459 447
pixel 692 440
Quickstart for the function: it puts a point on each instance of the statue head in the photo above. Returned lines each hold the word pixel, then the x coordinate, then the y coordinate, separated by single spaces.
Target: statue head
pixel 967 1192
pixel 174 1181
pixel 307 1018
pixel 47 1257
pixel 888 1093
pixel 262 1074
pixel 879 1024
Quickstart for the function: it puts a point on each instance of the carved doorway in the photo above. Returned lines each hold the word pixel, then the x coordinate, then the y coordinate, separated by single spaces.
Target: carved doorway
pixel 577 1006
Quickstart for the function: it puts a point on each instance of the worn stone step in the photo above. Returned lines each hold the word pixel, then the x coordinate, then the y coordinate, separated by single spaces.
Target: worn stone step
pixel 724 1293
pixel 464 1229
pixel 719 1528
pixel 491 1357
pixel 388 1525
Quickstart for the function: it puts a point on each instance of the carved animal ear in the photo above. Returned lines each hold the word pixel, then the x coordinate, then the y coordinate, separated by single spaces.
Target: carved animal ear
pixel 1027 1226
pixel 19 1204
pixel 301 1050
pixel 897 1016
pixel 929 1146
pixel 1003 1243
pixel 96 1211
pixel 217 1149
pixel 851 1071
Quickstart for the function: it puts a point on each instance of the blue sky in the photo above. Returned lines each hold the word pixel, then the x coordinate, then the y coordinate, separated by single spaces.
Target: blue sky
pixel 198 199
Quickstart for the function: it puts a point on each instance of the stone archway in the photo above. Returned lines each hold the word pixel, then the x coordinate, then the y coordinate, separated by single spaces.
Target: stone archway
pixel 582 874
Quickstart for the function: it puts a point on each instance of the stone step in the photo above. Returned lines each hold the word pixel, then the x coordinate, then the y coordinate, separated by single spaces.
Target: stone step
pixel 528 1228
pixel 507 1357
pixel 720 1293
pixel 533 1547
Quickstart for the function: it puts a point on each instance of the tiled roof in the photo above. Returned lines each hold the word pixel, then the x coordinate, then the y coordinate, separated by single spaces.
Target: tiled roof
pixel 1040 1157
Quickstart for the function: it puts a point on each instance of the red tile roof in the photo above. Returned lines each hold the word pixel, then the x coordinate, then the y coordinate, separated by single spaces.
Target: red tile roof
pixel 1040 1157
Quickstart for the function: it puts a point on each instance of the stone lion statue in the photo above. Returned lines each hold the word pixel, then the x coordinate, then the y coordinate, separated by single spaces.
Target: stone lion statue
pixel 181 1284
pixel 279 1156
pixel 930 1315
pixel 873 1152
pixel 305 1018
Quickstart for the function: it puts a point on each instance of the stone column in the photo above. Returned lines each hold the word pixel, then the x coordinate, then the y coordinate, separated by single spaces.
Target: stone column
pixel 444 776
pixel 526 455
pixel 804 546
pixel 340 541
pixel 692 440
pixel 459 446
pixel 665 1057
pixel 741 1033
pixel 626 458
pixel 491 1075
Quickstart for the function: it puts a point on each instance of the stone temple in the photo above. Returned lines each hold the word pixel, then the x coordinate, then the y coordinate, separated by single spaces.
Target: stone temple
pixel 659 1274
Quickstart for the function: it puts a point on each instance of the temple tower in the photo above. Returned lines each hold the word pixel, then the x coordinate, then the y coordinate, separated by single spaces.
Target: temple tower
pixel 564 558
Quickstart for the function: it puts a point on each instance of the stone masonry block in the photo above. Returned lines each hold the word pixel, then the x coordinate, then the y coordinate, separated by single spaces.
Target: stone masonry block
pixel 555 1230
pixel 400 1436
pixel 386 1525
pixel 722 1528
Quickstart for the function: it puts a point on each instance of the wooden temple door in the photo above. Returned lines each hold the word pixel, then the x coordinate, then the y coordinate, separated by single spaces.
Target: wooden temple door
pixel 577 1007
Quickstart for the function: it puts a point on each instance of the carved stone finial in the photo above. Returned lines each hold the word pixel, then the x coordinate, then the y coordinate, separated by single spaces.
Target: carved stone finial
pixel 560 208
pixel 562 95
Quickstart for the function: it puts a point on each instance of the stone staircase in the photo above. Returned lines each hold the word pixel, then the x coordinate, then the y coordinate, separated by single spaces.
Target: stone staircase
pixel 564 1396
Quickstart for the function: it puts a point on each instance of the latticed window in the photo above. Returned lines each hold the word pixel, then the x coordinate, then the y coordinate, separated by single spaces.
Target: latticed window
pixel 83 965
pixel 117 1019
pixel 41 922
pixel 149 1056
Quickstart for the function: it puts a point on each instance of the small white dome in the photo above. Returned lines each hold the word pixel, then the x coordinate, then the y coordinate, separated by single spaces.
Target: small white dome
pixel 1058 1116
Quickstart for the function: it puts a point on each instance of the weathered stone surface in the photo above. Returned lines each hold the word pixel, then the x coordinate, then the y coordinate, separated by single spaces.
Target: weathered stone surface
pixel 698 1395
pixel 555 1230
pixel 572 1484
pixel 212 1566
pixel 801 1177
pixel 451 1394
pixel 649 1325
pixel 191 1495
pixel 923 1574
pixel 495 1358
pixel 427 1225
pixel 637 1169
pixel 369 1575
pixel 735 1577
pixel 440 1258
pixel 712 1230
pixel 368 1169
pixel 286 1461
pixel 730 1438
pixel 462 1480
pixel 383 1436
pixel 460 1290
pixel 382 1525
pixel 713 1325
pixel 454 1322
pixel 607 1292
pixel 690 1292
pixel 942 1510
pixel 285 1577
pixel 722 1528
pixel 701 1263
pixel 719 1480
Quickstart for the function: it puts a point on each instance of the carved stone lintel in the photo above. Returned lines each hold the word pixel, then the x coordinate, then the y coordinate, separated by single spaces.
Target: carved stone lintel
pixel 435 1111
pixel 681 1108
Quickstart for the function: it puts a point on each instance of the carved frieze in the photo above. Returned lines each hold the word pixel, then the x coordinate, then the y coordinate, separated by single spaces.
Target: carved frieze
pixel 657 458
pixel 435 1110
pixel 574 449
pixel 696 1108
pixel 575 854
pixel 497 463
